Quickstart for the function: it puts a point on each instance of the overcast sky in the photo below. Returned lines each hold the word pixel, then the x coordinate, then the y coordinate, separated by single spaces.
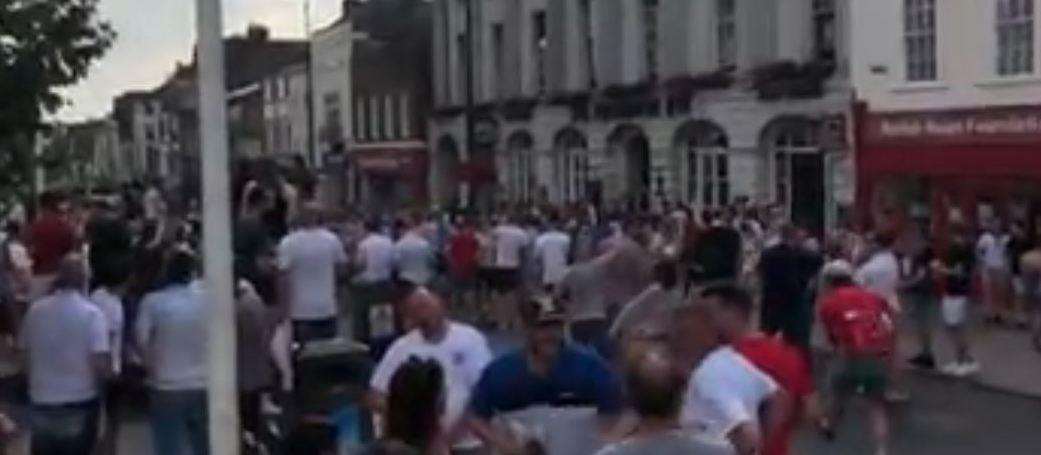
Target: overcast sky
pixel 155 34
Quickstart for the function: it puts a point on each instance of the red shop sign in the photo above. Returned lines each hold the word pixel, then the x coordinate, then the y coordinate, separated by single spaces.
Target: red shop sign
pixel 993 126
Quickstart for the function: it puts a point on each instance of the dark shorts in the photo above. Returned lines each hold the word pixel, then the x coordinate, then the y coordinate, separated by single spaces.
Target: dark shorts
pixel 502 280
pixel 867 375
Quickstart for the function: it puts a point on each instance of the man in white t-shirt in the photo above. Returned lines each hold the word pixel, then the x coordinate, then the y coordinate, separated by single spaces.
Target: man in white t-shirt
pixel 461 350
pixel 553 251
pixel 371 286
pixel 112 307
pixel 726 394
pixel 66 343
pixel 309 259
pixel 994 264
pixel 414 256
pixel 171 329
pixel 510 243
pixel 881 273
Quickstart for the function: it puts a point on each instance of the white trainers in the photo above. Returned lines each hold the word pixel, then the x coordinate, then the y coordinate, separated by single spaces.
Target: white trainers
pixel 951 369
pixel 970 368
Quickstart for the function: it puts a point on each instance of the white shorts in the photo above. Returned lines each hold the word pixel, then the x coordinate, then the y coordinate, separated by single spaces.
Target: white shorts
pixel 955 310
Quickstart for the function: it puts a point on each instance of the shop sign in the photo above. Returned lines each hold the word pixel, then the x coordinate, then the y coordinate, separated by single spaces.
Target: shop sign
pixel 998 126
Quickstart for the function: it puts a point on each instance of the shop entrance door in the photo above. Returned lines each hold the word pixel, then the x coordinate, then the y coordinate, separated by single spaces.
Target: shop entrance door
pixel 807 202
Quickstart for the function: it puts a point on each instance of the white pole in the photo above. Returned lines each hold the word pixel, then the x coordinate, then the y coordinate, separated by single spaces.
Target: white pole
pixel 223 409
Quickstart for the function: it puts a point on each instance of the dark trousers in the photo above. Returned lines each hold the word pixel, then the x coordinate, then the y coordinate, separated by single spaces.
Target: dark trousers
pixel 178 417
pixel 68 429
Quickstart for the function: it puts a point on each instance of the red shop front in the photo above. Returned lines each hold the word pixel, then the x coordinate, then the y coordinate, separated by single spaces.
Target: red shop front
pixel 952 166
pixel 391 176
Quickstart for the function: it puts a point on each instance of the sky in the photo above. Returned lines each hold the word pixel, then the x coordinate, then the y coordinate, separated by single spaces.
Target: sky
pixel 155 34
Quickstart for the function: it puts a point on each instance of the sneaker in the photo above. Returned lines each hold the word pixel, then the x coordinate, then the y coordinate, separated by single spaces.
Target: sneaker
pixel 923 361
pixel 951 369
pixel 970 368
pixel 894 396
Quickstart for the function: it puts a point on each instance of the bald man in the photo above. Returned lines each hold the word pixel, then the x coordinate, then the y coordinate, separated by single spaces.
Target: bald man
pixel 656 389
pixel 461 350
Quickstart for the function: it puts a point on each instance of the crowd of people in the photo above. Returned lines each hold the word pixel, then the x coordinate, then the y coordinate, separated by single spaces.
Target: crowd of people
pixel 678 331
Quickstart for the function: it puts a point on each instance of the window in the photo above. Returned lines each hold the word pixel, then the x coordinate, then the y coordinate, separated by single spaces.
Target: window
pixel 824 30
pixel 333 125
pixel 405 120
pixel 920 39
pixel 650 30
pixel 359 119
pixel 792 140
pixel 464 68
pixel 1015 30
pixel 497 60
pixel 374 118
pixel 708 169
pixel 391 129
pixel 539 46
pixel 726 31
pixel 447 32
pixel 587 29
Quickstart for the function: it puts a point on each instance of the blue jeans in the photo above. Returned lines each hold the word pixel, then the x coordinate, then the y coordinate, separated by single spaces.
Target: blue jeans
pixel 69 429
pixel 178 417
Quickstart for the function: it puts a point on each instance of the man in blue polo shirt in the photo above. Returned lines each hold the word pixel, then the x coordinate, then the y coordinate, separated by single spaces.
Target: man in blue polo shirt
pixel 547 371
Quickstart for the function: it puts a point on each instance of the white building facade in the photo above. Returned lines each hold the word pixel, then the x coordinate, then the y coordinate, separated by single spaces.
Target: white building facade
pixel 639 101
pixel 285 112
pixel 949 117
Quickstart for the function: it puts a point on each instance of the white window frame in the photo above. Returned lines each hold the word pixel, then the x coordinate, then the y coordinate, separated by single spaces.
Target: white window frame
pixel 708 175
pixel 785 144
pixel 1015 37
pixel 921 62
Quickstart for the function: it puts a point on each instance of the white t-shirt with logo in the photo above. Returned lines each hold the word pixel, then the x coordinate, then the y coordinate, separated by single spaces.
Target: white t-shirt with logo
pixel 724 392
pixel 463 355
pixel 112 307
pixel 61 334
pixel 551 250
pixel 376 254
pixel 310 257
pixel 510 241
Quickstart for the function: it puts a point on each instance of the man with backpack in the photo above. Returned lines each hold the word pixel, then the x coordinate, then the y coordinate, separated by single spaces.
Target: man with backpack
pixel 859 325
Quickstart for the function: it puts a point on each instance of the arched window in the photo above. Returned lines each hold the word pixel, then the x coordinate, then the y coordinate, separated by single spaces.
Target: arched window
pixel 703 148
pixel 790 140
pixel 521 167
pixel 572 165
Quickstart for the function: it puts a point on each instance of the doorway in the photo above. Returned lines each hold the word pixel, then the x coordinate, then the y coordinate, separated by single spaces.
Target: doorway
pixel 807 202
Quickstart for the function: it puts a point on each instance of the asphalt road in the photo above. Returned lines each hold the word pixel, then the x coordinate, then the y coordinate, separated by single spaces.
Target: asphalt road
pixel 944 417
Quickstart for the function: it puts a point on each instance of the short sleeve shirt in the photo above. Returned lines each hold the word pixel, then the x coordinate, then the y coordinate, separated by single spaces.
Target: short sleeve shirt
pixel 510 241
pixel 463 355
pixel 724 392
pixel 578 378
pixel 376 252
pixel 61 334
pixel 551 249
pixel 310 258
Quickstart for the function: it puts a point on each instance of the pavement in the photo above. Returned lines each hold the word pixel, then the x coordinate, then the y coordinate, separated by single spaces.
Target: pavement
pixel 1009 362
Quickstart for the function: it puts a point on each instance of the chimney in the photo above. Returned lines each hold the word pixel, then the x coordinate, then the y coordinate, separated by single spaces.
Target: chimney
pixel 257 32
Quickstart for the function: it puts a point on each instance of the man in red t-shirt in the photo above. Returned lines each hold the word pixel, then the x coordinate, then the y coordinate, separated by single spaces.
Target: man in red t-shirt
pixel 50 239
pixel 462 253
pixel 860 327
pixel 784 363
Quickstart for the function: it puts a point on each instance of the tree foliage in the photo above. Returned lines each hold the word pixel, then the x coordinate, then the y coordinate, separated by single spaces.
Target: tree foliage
pixel 45 45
